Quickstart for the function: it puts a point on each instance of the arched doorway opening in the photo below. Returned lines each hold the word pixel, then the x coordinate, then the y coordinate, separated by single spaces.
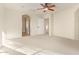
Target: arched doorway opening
pixel 25 25
pixel 46 26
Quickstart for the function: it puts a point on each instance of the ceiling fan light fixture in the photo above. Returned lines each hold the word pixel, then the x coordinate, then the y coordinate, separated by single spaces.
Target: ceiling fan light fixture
pixel 45 9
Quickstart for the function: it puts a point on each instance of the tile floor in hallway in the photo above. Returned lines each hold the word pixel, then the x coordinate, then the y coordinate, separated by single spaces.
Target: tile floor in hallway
pixel 43 45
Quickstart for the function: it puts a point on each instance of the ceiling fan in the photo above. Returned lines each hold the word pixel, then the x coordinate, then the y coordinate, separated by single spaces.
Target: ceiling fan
pixel 47 7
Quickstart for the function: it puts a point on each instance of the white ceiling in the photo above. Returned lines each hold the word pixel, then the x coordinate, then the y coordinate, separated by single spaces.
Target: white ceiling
pixel 34 6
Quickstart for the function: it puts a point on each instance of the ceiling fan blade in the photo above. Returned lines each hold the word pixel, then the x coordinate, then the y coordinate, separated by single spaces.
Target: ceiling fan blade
pixel 52 6
pixel 46 4
pixel 51 9
pixel 42 5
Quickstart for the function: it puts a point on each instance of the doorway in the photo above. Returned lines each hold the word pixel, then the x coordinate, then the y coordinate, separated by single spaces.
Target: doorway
pixel 25 25
pixel 46 25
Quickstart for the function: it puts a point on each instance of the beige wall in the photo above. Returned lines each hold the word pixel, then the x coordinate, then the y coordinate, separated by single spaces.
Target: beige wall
pixel 13 26
pixel 1 23
pixel 64 24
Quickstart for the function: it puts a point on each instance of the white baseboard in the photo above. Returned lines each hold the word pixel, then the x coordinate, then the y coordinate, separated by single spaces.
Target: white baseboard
pixel 63 37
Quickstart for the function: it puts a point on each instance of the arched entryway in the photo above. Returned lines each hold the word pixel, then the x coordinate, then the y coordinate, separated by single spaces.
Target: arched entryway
pixel 25 25
pixel 46 26
pixel 77 24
